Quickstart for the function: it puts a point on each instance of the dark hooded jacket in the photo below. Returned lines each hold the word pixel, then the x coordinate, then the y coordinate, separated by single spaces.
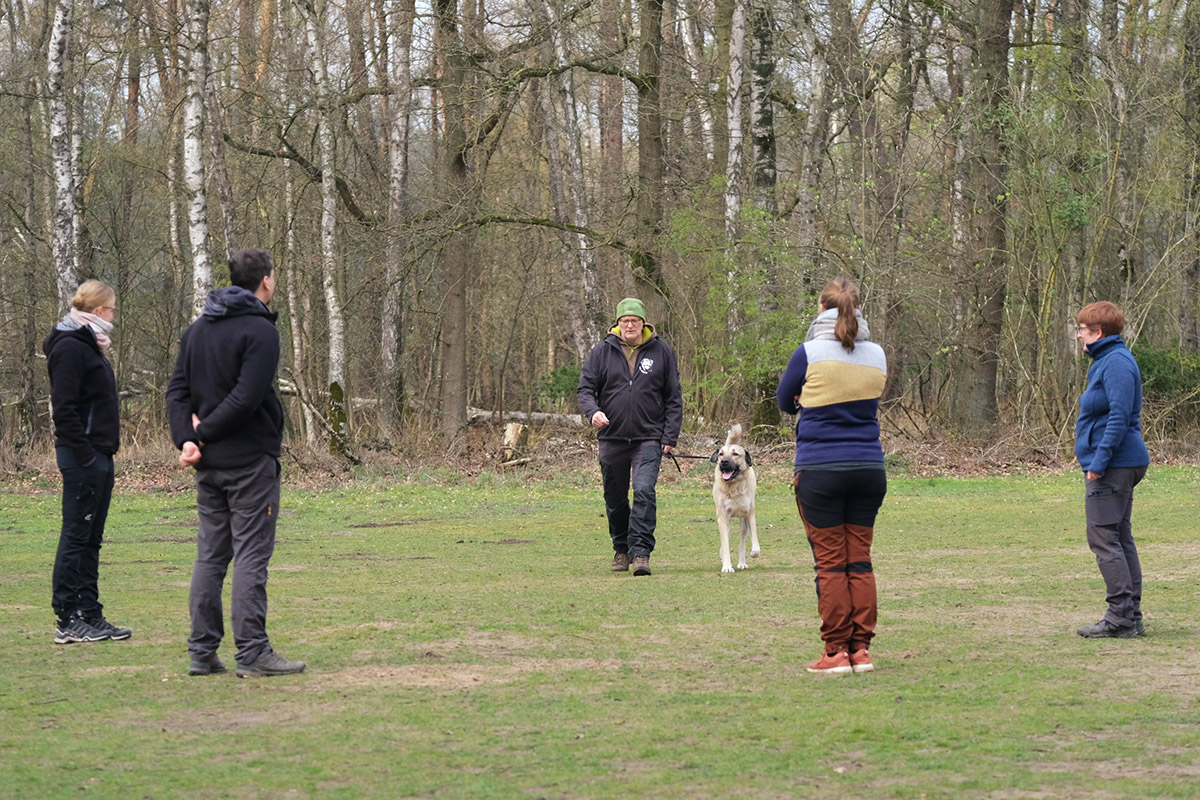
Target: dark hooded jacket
pixel 225 374
pixel 83 393
pixel 643 404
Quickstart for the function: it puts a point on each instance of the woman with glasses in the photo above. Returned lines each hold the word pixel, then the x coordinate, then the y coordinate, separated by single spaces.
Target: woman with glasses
pixel 83 399
pixel 1113 457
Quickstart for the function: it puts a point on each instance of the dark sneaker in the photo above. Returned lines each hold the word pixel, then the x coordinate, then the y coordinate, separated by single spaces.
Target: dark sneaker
pixel 837 663
pixel 269 665
pixel 641 565
pixel 1139 628
pixel 1106 630
pixel 206 666
pixel 115 633
pixel 620 562
pixel 76 630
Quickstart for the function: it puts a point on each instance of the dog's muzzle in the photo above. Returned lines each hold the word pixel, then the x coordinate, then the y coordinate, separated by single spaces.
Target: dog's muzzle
pixel 729 470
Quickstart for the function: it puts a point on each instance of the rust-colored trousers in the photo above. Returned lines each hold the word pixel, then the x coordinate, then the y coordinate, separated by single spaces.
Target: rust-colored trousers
pixel 838 509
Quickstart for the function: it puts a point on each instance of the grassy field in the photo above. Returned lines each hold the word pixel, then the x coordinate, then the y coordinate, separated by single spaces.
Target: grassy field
pixel 468 641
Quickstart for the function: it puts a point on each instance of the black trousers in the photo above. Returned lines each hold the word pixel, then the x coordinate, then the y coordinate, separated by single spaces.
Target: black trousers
pixel 87 492
pixel 631 527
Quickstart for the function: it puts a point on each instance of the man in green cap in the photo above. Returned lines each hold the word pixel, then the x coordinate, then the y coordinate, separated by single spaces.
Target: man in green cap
pixel 629 390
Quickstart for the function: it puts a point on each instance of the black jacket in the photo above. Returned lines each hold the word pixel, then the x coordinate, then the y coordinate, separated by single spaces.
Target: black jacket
pixel 83 394
pixel 225 374
pixel 644 405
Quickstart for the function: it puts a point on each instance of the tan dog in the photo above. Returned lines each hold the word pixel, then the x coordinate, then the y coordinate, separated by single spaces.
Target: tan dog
pixel 734 487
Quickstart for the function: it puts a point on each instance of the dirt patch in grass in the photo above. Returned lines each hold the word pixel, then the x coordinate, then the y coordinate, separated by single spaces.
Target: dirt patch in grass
pixel 454 676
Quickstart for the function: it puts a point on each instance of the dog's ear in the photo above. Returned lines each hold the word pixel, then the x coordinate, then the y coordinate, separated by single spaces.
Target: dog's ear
pixel 713 457
pixel 749 460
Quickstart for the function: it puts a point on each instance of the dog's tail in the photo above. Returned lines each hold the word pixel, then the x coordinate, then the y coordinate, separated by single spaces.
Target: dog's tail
pixel 735 434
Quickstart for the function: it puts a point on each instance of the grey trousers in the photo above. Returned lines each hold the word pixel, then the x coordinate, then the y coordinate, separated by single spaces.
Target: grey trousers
pixel 1108 504
pixel 238 511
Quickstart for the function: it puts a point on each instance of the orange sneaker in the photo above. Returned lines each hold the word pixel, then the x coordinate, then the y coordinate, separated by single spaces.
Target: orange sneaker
pixel 836 663
pixel 860 660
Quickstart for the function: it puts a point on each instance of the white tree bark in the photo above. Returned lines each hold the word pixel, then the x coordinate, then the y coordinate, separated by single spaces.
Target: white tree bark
pixel 568 192
pixel 63 218
pixel 296 314
pixel 400 106
pixel 694 52
pixel 733 116
pixel 193 152
pixel 314 18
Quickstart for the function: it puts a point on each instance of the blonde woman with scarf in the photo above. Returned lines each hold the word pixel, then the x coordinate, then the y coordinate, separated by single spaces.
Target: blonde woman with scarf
pixel 83 398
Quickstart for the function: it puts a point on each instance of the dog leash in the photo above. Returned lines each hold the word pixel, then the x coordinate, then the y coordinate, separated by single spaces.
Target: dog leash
pixel 673 456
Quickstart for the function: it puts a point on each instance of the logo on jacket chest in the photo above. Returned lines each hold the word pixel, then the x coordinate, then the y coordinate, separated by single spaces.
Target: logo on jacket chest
pixel 645 365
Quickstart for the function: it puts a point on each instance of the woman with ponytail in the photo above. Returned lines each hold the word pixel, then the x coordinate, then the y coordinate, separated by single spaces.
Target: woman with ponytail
pixel 833 382
pixel 83 400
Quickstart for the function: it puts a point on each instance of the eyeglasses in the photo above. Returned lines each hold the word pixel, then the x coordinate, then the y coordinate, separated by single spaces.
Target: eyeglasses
pixel 1083 328
pixel 110 308
pixel 630 321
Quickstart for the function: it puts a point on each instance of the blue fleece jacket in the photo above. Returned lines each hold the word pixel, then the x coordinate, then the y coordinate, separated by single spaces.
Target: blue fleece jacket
pixel 836 392
pixel 1109 430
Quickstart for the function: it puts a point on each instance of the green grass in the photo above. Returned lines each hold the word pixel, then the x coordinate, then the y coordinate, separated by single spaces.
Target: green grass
pixel 469 642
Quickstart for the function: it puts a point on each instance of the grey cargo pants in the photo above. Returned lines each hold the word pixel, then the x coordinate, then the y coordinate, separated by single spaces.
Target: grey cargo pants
pixel 1108 504
pixel 238 511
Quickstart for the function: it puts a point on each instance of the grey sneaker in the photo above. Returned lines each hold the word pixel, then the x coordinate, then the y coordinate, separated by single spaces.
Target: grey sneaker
pixel 620 562
pixel 206 666
pixel 641 565
pixel 1106 630
pixel 115 633
pixel 268 665
pixel 75 630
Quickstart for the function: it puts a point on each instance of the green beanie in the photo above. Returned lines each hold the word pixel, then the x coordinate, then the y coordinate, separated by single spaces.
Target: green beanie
pixel 631 307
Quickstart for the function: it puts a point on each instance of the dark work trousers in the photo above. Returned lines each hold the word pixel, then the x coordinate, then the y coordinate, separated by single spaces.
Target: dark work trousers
pixel 87 492
pixel 838 509
pixel 238 510
pixel 631 528
pixel 1108 505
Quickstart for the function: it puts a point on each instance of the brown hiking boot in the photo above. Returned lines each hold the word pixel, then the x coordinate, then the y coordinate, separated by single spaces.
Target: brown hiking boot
pixel 620 562
pixel 641 565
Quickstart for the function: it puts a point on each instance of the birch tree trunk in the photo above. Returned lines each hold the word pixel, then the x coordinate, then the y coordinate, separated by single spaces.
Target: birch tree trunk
pixel 63 219
pixel 193 152
pixel 314 19
pixel 400 105
pixel 298 310
pixel 733 122
pixel 567 191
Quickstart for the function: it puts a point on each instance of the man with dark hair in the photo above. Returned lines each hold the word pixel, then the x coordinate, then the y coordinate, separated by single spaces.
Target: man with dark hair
pixel 228 424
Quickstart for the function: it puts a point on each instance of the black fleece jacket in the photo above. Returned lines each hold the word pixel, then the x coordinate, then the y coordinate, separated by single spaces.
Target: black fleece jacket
pixel 225 374
pixel 646 404
pixel 83 394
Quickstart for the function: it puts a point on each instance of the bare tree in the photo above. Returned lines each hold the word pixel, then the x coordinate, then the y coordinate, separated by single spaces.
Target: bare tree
pixel 196 38
pixel 314 16
pixel 63 228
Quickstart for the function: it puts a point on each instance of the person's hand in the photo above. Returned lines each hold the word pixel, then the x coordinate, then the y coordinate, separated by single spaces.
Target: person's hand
pixel 668 449
pixel 189 456
pixel 1091 476
pixel 599 419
